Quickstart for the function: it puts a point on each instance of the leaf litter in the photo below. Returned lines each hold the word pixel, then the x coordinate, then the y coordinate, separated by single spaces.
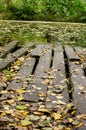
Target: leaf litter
pixel 18 114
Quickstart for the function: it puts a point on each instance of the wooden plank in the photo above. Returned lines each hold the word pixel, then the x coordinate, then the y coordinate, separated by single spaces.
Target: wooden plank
pixel 8 48
pixel 79 94
pixel 82 128
pixel 71 54
pixel 57 88
pixel 12 57
pixel 22 76
pixel 38 51
pixel 40 86
pixel 80 50
pixel 82 53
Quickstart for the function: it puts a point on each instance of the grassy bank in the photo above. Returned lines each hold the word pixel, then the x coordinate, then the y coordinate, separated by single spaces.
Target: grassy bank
pixel 43 32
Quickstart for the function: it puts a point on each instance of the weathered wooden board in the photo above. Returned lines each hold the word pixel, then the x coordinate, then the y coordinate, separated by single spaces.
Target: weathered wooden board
pixel 12 57
pixel 38 51
pixel 8 48
pixel 82 53
pixel 79 94
pixel 80 50
pixel 23 74
pixel 71 54
pixel 39 86
pixel 22 77
pixel 79 82
pixel 82 128
pixel 58 86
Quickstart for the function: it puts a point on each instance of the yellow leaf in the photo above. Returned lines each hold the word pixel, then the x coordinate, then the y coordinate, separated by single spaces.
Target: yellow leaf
pixel 46 81
pixel 56 116
pixel 19 91
pixel 82 116
pixel 68 128
pixel 20 97
pixel 70 120
pixel 12 124
pixel 25 113
pixel 10 101
pixel 3 113
pixel 79 125
pixel 43 110
pixel 4 91
pixel 73 112
pixel 38 113
pixel 42 94
pixel 61 102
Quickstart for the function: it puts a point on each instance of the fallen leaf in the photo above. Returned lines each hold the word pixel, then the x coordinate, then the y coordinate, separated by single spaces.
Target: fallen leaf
pixel 30 128
pixel 38 113
pixel 61 102
pixel 75 122
pixel 26 122
pixel 48 120
pixel 5 119
pixel 82 116
pixel 57 91
pixel 56 116
pixel 20 97
pixel 3 113
pixel 79 125
pixel 73 112
pixel 19 91
pixel 34 117
pixel 68 128
pixel 43 110
pixel 42 94
pixel 21 107
pixel 55 128
pixel 43 117
pixel 61 127
pixel 4 91
pixel 70 120
pixel 10 111
pixel 10 101
pixel 6 107
pixel 25 112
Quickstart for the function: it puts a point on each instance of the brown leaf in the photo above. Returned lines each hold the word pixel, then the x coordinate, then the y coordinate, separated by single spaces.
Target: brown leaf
pixel 5 119
pixel 30 128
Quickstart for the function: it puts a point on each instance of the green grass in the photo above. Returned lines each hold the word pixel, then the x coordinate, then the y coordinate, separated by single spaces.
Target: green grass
pixel 59 32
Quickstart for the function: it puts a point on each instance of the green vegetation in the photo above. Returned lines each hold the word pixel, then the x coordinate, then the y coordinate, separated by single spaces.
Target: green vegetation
pixel 36 32
pixel 44 10
pixel 56 11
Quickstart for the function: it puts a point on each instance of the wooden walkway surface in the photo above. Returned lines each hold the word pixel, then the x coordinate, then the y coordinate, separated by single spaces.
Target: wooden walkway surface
pixel 50 74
